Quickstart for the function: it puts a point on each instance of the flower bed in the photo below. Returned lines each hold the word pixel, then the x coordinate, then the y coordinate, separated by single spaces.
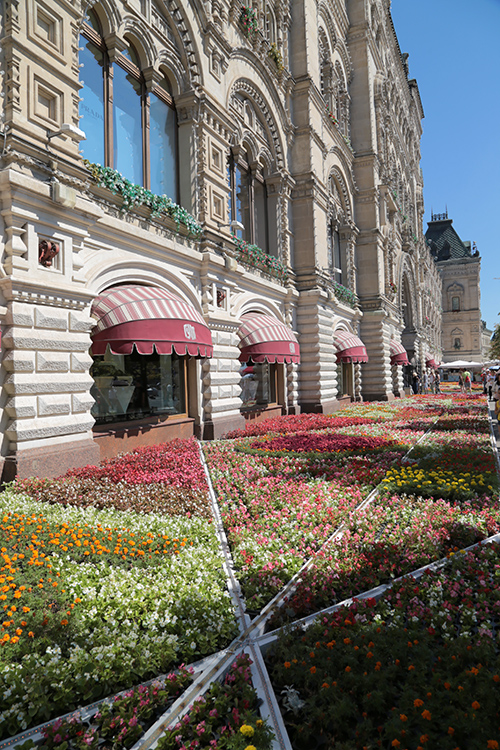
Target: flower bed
pixel 95 601
pixel 120 721
pixel 390 537
pixel 281 504
pixel 310 443
pixel 226 717
pixel 296 423
pixel 166 479
pixel 418 670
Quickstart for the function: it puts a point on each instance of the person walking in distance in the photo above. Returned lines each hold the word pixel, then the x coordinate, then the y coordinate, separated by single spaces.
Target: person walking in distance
pixel 467 381
pixel 437 382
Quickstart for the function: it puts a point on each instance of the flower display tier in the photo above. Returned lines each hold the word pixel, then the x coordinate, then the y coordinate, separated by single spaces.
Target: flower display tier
pixel 113 577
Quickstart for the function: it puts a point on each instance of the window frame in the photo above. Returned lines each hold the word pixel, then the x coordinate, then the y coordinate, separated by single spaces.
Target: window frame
pixel 92 36
pixel 237 159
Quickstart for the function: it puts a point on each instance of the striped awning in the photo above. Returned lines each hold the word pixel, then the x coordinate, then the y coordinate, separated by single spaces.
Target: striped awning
pixel 350 348
pixel 148 318
pixel 398 353
pixel 264 339
pixel 430 361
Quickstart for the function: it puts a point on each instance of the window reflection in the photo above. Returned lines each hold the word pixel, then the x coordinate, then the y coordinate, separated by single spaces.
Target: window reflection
pixel 163 144
pixel 127 126
pixel 248 200
pixel 92 102
pixel 136 385
pixel 258 384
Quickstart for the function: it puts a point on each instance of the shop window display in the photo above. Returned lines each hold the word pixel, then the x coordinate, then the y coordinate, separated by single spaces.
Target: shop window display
pixel 135 386
pixel 258 384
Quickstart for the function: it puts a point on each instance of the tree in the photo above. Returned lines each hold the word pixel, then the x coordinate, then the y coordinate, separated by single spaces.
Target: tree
pixel 494 351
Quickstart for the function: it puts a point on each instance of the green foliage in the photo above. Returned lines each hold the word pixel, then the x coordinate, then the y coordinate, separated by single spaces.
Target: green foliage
pixel 255 256
pixel 344 294
pixel 136 195
pixel 248 21
pixel 494 351
pixel 276 55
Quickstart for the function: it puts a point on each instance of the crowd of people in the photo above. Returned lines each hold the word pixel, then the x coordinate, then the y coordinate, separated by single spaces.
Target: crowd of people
pixel 430 382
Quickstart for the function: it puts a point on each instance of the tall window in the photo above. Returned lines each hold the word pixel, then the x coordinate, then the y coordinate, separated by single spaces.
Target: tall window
pixel 336 264
pixel 248 200
pixel 455 303
pixel 128 128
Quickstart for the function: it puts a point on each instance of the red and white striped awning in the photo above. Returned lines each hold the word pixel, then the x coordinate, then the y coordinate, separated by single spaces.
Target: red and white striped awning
pixel 148 317
pixel 264 339
pixel 430 361
pixel 350 348
pixel 398 353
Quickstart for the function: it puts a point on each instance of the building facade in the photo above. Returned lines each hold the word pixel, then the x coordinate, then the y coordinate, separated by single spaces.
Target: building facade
pixel 459 265
pixel 238 235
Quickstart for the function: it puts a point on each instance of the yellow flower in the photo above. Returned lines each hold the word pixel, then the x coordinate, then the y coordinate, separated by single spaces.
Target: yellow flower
pixel 246 730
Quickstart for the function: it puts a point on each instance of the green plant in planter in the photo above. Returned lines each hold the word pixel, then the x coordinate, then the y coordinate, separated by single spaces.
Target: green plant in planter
pixel 255 256
pixel 135 195
pixel 248 21
pixel 344 294
pixel 331 116
pixel 276 55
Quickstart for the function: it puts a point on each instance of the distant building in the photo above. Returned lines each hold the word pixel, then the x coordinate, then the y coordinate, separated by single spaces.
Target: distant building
pixel 459 264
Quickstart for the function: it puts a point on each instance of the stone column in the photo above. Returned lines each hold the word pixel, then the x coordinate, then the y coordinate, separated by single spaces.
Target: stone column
pixel 48 383
pixel 318 370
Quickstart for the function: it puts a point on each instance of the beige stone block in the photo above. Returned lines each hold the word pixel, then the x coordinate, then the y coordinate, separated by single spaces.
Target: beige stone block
pixel 54 319
pixel 224 338
pixel 81 402
pixel 19 361
pixel 37 340
pixel 81 323
pixel 46 427
pixel 80 362
pixel 225 391
pixel 52 362
pixel 21 407
pixel 24 384
pixel 20 314
pixel 53 405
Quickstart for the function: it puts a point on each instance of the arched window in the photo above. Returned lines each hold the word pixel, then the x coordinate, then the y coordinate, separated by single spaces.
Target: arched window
pixel 271 25
pixel 248 199
pixel 128 128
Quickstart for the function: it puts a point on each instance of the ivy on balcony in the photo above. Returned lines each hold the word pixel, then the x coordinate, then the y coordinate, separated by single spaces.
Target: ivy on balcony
pixel 135 196
pixel 254 256
pixel 344 294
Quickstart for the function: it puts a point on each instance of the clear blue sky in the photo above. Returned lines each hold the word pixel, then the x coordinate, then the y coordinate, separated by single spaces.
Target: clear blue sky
pixel 454 48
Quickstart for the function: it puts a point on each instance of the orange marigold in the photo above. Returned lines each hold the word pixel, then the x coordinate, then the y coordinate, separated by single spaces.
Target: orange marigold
pixel 418 702
pixel 426 715
pixel 476 705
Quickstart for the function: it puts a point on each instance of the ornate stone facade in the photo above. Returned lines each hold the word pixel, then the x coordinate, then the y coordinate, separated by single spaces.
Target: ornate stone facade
pixel 459 265
pixel 308 104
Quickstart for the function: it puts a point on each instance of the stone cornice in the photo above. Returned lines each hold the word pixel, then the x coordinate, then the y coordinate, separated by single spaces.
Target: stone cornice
pixel 34 294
